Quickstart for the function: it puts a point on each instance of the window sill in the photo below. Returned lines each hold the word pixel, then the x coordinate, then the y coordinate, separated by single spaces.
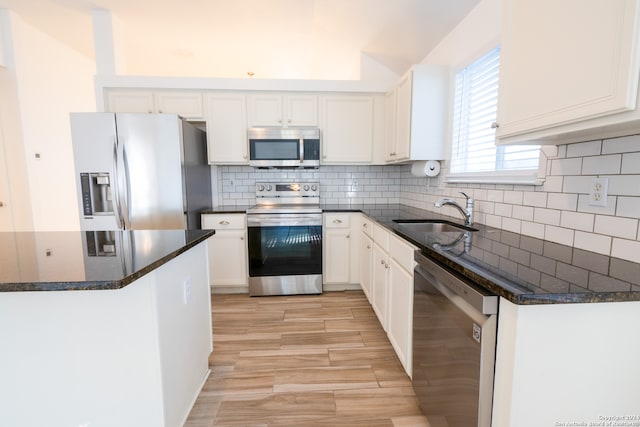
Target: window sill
pixel 514 178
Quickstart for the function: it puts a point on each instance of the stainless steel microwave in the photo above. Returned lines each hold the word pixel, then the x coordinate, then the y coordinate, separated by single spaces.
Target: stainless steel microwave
pixel 279 148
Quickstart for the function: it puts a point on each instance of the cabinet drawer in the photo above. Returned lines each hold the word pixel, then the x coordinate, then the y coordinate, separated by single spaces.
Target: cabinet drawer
pixel 337 220
pixel 366 226
pixel 224 221
pixel 381 236
pixel 402 252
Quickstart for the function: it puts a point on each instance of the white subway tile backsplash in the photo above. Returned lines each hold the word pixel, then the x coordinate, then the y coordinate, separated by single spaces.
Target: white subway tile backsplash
pixel 628 207
pixel 601 165
pixel 626 249
pixel 546 216
pixel 626 228
pixel 553 183
pixel 576 184
pixel 582 149
pixel 625 144
pixel 566 166
pixel 532 229
pixel 537 199
pixel 631 163
pixel 624 185
pixel 564 236
pixel 523 213
pixel 513 197
pixel 564 201
pixel 592 242
pixel 511 224
pixel 577 220
pixel 503 209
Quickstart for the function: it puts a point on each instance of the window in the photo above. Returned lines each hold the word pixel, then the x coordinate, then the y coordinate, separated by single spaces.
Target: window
pixel 474 155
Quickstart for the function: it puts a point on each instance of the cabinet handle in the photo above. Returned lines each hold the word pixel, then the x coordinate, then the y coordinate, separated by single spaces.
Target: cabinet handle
pixel 365 225
pixel 1 204
pixel 224 222
pixel 392 154
pixel 495 125
pixel 337 221
pixel 242 238
pixel 348 236
pixel 368 247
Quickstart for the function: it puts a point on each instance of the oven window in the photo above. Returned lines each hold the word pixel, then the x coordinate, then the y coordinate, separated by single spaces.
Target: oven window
pixel 285 250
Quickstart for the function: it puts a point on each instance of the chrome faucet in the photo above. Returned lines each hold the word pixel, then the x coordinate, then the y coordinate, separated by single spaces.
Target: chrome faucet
pixel 466 213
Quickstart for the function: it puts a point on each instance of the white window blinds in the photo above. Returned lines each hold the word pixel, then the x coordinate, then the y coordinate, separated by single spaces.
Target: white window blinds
pixel 473 147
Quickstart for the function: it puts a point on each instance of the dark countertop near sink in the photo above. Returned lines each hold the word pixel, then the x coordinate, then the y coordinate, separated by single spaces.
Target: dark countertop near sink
pixel 74 263
pixel 522 269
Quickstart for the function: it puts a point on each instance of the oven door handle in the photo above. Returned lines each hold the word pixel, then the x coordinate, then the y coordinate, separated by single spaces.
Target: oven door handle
pixel 279 222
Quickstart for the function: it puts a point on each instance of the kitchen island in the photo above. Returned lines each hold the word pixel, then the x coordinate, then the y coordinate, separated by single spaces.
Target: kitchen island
pixel 103 328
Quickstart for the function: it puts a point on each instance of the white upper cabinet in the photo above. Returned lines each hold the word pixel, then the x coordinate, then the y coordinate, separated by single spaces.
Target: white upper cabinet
pixel 227 128
pixel 187 104
pixel 569 70
pixel 284 111
pixel 417 115
pixel 347 128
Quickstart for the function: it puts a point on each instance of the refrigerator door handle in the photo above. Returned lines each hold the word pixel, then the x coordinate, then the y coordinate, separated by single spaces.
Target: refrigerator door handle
pixel 126 213
pixel 115 186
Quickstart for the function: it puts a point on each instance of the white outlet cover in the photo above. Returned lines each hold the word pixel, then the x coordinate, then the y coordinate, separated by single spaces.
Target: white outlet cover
pixel 598 191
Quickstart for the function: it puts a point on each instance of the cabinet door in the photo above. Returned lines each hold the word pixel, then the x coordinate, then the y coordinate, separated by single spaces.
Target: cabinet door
pixel 347 129
pixel 380 283
pixel 301 110
pixel 129 101
pixel 390 126
pixel 227 129
pixel 265 110
pixel 400 315
pixel 336 246
pixel 366 262
pixel 584 64
pixel 228 258
pixel 186 104
pixel 403 118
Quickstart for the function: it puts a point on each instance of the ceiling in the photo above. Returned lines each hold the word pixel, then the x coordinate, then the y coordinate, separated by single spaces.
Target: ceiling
pixel 306 39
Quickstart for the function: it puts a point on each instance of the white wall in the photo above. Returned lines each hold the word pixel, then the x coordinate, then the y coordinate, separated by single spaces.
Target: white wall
pixel 49 80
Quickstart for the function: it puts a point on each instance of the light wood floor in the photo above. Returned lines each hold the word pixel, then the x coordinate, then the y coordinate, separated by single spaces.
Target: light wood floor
pixel 319 360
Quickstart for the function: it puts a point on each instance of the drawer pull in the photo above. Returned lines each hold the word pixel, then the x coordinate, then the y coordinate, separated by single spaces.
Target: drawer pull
pixel 337 221
pixel 224 222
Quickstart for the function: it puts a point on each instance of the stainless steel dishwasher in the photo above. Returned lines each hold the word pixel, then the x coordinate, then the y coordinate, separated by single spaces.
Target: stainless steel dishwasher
pixel 454 341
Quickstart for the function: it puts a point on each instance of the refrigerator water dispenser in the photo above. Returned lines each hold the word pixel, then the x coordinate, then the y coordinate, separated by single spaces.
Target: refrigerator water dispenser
pixel 96 194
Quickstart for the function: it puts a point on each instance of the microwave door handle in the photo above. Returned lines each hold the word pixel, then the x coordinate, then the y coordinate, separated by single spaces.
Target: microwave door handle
pixel 301 149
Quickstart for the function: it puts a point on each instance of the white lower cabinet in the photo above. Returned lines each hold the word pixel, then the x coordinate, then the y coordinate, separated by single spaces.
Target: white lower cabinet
pixel 386 274
pixel 366 262
pixel 340 248
pixel 228 260
pixel 380 284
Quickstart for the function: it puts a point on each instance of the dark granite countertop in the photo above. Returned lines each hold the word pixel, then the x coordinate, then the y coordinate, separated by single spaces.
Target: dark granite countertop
pixel 225 209
pixel 87 260
pixel 522 269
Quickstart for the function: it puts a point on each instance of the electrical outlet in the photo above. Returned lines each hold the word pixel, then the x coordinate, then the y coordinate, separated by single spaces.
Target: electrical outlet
pixel 187 290
pixel 598 191
pixel 355 186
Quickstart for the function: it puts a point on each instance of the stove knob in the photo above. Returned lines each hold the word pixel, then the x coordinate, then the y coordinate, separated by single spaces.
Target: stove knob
pixel 260 187
pixel 314 187
pixel 269 187
pixel 306 187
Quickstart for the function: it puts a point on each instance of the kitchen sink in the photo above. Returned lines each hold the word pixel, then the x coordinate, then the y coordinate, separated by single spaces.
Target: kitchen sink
pixel 432 226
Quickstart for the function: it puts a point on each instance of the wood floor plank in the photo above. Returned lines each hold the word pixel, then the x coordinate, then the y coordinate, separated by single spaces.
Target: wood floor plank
pixel 303 360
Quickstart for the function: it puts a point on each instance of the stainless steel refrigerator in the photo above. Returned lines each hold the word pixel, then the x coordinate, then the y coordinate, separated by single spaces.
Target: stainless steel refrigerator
pixel 139 171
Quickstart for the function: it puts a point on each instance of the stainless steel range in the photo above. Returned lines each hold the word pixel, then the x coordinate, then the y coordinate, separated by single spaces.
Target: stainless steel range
pixel 285 239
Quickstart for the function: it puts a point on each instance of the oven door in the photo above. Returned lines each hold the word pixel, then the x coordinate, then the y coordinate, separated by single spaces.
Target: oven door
pixel 285 254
